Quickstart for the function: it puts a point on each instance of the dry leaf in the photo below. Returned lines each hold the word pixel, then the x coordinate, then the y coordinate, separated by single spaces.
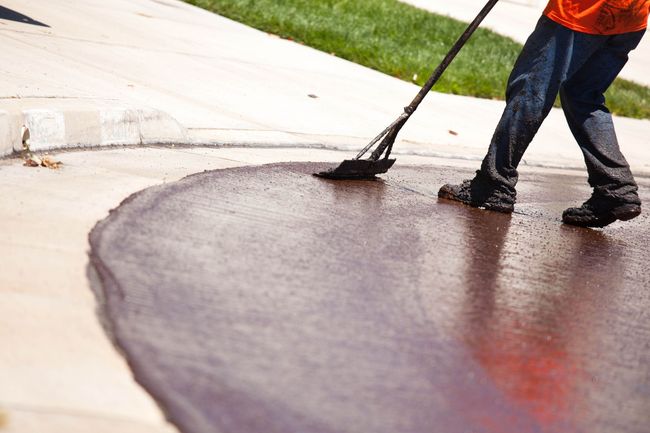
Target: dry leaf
pixel 50 163
pixel 4 419
pixel 32 161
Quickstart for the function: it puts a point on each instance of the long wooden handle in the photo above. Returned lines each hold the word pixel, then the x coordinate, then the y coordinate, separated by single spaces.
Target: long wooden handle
pixel 390 133
pixel 437 73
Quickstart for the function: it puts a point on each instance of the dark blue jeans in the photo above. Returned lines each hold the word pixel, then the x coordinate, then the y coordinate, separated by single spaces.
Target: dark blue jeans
pixel 580 67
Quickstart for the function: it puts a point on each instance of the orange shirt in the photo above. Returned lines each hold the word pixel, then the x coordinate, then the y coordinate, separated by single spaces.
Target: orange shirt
pixel 600 17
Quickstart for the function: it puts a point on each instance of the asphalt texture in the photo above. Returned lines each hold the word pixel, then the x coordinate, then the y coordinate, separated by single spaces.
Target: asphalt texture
pixel 263 299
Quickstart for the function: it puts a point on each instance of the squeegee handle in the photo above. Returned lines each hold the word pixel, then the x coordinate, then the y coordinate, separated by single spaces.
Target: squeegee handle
pixel 388 135
pixel 462 40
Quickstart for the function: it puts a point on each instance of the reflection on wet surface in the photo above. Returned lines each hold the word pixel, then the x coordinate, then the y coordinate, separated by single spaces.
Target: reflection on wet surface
pixel 263 299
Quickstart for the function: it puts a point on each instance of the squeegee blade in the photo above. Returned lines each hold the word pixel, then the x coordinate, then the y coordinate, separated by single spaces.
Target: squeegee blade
pixel 357 169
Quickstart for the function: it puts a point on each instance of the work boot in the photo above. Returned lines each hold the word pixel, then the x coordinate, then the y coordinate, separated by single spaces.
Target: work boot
pixel 601 210
pixel 480 192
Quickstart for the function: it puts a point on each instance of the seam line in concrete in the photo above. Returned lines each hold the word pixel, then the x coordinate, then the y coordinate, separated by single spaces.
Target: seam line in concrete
pixel 72 413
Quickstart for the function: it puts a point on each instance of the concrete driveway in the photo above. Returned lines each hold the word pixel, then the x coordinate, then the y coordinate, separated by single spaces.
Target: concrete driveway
pixel 265 299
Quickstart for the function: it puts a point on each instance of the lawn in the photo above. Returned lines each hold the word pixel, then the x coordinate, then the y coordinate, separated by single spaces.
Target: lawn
pixel 403 41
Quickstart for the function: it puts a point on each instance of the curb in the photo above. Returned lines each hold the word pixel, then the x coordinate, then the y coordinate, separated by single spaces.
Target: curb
pixel 51 124
pixel 10 132
pixel 85 125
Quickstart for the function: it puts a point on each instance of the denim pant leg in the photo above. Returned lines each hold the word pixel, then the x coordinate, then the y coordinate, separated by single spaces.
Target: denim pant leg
pixel 590 121
pixel 532 88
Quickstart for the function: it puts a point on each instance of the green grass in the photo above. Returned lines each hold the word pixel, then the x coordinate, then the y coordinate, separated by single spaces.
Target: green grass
pixel 403 41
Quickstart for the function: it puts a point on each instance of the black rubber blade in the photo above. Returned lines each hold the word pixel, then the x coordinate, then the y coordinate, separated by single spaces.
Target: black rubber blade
pixel 357 169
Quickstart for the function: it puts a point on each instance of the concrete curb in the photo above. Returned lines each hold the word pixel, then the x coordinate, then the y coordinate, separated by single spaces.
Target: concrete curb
pixel 64 124
pixel 73 123
pixel 10 132
pixel 77 129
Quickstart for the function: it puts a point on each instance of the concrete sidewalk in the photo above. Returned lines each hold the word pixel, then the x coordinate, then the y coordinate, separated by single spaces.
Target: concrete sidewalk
pixel 147 71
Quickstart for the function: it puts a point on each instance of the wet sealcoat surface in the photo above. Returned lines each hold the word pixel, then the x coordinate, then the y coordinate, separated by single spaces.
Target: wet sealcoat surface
pixel 262 299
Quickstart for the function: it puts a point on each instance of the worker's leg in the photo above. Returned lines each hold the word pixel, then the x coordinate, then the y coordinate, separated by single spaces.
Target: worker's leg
pixel 583 101
pixel 532 88
pixel 590 121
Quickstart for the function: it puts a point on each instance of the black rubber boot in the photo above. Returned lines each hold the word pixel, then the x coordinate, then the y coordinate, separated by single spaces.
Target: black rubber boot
pixel 600 211
pixel 480 192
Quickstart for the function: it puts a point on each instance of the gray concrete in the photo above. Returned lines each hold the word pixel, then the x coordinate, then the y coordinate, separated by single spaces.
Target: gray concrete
pixel 265 299
pixel 141 71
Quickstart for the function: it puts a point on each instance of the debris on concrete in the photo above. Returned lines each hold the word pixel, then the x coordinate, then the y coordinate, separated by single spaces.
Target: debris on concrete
pixel 33 160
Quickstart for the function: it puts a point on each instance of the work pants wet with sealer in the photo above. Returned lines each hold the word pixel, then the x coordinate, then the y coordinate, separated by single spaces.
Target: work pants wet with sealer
pixel 580 67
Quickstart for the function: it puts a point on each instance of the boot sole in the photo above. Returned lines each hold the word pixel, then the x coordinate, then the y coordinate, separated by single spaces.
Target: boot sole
pixel 629 212
pixel 623 213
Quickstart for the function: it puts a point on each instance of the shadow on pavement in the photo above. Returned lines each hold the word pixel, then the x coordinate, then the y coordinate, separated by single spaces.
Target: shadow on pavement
pixel 11 15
